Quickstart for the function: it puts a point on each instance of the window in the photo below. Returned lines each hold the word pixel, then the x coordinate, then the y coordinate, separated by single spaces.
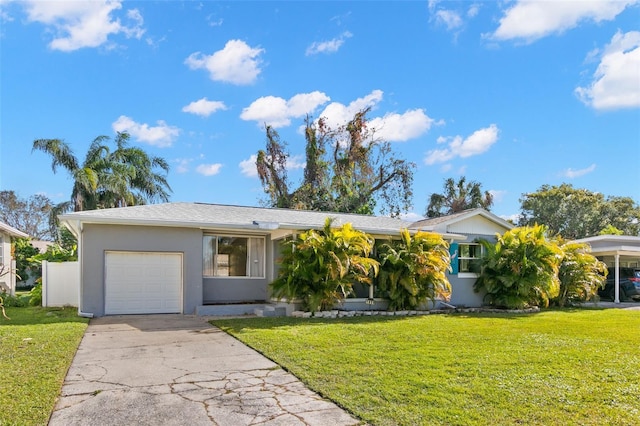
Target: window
pixel 468 254
pixel 229 256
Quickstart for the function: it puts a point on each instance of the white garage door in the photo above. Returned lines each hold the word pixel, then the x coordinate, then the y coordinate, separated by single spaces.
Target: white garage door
pixel 143 283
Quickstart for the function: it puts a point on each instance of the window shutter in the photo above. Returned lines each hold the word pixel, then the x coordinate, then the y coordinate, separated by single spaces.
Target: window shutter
pixel 454 254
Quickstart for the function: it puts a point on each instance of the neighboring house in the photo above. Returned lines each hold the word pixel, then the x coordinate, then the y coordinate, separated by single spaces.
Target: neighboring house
pixel 474 224
pixel 184 257
pixel 7 262
pixel 616 251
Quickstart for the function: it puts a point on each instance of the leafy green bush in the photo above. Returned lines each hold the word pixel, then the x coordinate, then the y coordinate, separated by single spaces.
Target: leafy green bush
pixel 10 301
pixel 36 294
pixel 55 253
pixel 580 273
pixel 319 268
pixel 520 269
pixel 413 269
pixel 23 250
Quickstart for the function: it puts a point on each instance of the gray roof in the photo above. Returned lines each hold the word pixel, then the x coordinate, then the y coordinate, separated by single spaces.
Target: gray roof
pixel 199 215
pixel 432 222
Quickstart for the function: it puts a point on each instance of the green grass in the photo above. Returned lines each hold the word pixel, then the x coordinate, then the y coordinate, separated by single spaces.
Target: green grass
pixel 559 367
pixel 36 349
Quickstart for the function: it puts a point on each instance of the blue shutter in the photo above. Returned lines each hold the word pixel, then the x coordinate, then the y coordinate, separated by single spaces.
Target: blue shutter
pixel 454 254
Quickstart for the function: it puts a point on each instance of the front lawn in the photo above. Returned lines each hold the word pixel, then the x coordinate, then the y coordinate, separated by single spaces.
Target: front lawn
pixel 36 349
pixel 556 367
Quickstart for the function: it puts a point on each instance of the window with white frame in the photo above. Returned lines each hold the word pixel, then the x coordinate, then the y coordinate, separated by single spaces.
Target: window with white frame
pixel 232 256
pixel 468 254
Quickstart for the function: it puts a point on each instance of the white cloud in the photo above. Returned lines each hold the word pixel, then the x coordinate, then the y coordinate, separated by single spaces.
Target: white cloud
pixel 337 114
pixel 329 46
pixel 296 162
pixel 248 166
pixel 401 127
pixel 204 107
pixel 209 169
pixel 411 217
pixel 477 143
pixel 4 15
pixel 277 112
pixel 513 218
pixel 497 194
pixel 213 22
pixel 161 135
pixel 616 82
pixel 236 63
pixel 473 10
pixel 79 24
pixel 450 18
pixel 182 164
pixel 530 20
pixel 572 174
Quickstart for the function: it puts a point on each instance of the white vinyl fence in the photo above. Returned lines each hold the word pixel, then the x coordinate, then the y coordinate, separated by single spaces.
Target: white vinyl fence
pixel 60 283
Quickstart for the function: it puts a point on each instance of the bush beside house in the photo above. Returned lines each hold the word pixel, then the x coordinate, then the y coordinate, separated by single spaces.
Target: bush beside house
pixel 526 268
pixel 320 268
pixel 523 268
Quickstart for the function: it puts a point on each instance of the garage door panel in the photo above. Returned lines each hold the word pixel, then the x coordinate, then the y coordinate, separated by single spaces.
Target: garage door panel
pixel 143 282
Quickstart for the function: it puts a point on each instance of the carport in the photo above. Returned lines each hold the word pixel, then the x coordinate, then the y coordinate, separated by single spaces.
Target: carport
pixel 616 251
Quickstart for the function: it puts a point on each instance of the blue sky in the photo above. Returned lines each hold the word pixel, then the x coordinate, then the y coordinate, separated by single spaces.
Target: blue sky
pixel 513 94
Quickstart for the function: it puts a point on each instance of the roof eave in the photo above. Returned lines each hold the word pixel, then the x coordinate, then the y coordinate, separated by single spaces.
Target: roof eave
pixel 13 232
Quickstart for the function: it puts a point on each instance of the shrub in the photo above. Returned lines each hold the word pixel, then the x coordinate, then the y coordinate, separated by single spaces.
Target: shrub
pixel 36 294
pixel 580 273
pixel 23 250
pixel 319 268
pixel 9 301
pixel 520 269
pixel 413 269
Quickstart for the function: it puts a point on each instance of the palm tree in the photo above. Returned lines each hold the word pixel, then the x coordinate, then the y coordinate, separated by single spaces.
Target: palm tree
pixel 85 176
pixel 133 179
pixel 457 197
pixel 320 267
pixel 581 274
pixel 124 177
pixel 413 269
pixel 520 269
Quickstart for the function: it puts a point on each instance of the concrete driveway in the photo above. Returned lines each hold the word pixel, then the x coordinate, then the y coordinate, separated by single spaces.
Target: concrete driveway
pixel 179 370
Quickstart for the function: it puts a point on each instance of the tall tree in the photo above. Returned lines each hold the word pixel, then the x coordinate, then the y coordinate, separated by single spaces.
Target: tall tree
pixel 578 213
pixel 458 196
pixel 123 177
pixel 347 170
pixel 29 215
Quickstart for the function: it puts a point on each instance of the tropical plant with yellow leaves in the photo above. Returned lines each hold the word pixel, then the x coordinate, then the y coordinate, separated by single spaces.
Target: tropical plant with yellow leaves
pixel 413 269
pixel 320 267
pixel 520 269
